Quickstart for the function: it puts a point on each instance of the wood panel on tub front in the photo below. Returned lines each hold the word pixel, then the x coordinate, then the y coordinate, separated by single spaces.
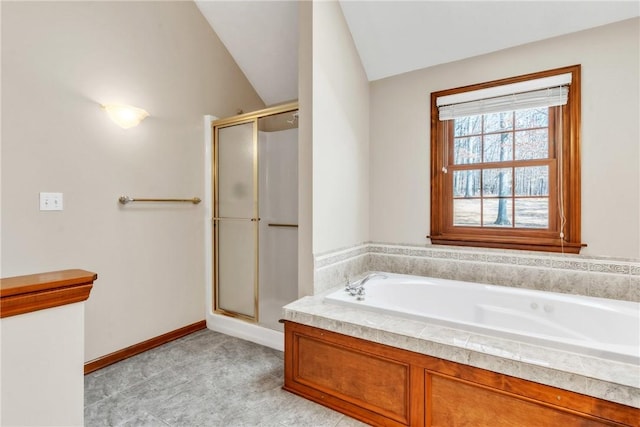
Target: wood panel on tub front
pixel 387 386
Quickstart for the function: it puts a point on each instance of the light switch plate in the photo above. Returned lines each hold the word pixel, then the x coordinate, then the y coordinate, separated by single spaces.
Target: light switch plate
pixel 50 201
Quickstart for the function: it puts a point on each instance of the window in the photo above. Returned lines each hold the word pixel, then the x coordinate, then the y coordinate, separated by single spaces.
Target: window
pixel 505 163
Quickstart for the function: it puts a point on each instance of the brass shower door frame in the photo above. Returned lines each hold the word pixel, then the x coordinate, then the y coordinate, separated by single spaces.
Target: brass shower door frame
pixel 216 125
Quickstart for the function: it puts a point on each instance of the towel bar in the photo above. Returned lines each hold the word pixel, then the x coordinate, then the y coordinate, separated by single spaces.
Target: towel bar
pixel 126 199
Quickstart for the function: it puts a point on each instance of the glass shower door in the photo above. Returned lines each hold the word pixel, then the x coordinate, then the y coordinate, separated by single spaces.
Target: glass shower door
pixel 236 220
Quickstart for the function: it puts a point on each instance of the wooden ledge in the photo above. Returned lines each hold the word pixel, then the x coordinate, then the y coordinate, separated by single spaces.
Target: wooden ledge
pixel 24 294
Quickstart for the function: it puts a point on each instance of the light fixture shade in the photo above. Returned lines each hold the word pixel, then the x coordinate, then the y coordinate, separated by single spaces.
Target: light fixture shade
pixel 125 116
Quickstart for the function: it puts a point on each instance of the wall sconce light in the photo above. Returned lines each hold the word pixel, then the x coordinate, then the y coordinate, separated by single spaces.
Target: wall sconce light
pixel 125 116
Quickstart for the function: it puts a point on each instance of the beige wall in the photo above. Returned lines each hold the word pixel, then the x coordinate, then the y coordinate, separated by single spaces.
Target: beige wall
pixel 610 135
pixel 340 134
pixel 305 148
pixel 59 61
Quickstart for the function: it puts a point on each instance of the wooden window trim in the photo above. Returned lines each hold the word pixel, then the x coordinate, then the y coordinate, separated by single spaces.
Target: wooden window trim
pixel 568 157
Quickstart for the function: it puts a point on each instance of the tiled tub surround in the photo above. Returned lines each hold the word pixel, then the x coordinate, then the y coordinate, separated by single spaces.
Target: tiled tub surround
pixel 576 274
pixel 336 267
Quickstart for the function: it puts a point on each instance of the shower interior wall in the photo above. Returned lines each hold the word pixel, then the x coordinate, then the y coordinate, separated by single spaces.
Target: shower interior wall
pixel 278 204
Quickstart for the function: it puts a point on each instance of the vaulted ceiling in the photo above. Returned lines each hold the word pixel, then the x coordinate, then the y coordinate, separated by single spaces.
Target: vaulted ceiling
pixel 395 37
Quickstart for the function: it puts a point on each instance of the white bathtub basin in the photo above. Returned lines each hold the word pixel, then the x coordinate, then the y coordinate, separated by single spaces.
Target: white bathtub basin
pixel 587 325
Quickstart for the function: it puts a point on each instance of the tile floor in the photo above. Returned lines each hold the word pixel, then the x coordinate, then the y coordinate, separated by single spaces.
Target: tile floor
pixel 204 379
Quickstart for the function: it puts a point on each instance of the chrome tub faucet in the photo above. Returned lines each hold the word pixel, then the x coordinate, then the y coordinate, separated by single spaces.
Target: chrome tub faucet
pixel 357 288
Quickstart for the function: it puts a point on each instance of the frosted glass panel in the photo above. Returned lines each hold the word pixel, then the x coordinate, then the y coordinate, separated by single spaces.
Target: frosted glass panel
pixel 278 177
pixel 235 171
pixel 236 227
pixel 236 266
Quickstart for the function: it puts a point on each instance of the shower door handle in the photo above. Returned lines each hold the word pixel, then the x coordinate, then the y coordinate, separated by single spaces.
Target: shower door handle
pixel 277 224
pixel 234 219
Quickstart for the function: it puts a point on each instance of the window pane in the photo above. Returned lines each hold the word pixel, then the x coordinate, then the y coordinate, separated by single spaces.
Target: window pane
pixel 534 118
pixel 498 147
pixel 466 212
pixel 532 213
pixel 466 183
pixel 532 181
pixel 532 144
pixel 467 150
pixel 471 125
pixel 497 213
pixel 496 122
pixel 496 182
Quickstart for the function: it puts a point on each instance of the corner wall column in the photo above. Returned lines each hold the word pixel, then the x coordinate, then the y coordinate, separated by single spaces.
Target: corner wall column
pixel 42 348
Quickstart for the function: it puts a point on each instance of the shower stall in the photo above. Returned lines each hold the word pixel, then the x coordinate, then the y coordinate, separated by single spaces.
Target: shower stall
pixel 255 215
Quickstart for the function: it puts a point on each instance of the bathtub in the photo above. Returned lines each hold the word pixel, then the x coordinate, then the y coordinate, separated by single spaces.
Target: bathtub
pixel 591 326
